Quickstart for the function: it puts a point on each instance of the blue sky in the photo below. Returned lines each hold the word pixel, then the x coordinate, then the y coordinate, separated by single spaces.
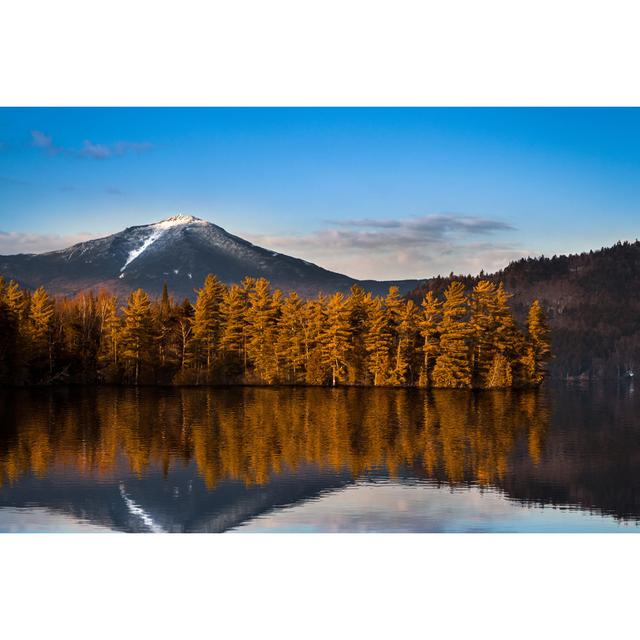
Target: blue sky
pixel 382 193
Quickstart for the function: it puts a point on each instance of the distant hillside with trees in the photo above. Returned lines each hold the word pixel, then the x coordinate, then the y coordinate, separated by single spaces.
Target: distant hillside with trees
pixel 248 333
pixel 591 300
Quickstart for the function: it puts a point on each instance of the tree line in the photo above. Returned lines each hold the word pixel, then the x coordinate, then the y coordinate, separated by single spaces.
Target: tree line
pixel 248 333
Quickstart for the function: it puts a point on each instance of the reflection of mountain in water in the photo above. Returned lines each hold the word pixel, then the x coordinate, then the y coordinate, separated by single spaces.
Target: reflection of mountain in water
pixel 210 459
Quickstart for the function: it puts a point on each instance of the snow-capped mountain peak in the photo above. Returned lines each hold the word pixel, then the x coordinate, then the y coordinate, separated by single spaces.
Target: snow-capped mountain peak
pixel 177 220
pixel 158 229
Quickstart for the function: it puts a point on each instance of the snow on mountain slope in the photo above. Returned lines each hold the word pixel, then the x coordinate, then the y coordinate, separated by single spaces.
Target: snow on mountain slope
pixel 181 251
pixel 157 230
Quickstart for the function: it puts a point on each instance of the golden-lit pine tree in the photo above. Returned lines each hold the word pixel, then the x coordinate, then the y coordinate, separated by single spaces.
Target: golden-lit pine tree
pixel 358 304
pixel 234 331
pixel 110 340
pixel 38 330
pixel 314 318
pixel 453 365
pixel 184 353
pixel 137 334
pixel 166 329
pixel 406 350
pixel 336 338
pixel 507 342
pixel 378 340
pixel 206 325
pixel 13 365
pixel 16 300
pixel 262 316
pixel 430 331
pixel 290 344
pixel 394 308
pixel 538 350
pixel 483 330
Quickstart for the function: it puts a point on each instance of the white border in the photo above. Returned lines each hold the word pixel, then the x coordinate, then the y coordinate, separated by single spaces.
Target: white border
pixel 313 586
pixel 320 52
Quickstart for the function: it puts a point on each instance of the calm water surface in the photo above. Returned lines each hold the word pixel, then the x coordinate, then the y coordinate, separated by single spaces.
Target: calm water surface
pixel 319 460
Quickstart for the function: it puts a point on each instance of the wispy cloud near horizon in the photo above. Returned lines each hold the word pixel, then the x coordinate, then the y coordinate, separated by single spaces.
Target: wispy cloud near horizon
pixel 413 247
pixel 14 242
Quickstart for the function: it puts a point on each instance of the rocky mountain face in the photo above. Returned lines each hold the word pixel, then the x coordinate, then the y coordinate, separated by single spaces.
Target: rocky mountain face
pixel 181 251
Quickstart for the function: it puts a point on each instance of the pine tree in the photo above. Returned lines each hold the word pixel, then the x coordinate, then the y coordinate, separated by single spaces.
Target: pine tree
pixel 430 331
pixel 11 360
pixel 335 338
pixel 483 330
pixel 378 342
pixel 39 331
pixel 262 315
pixel 538 351
pixel 358 305
pixel 137 334
pixel 314 321
pixel 207 323
pixel 110 340
pixel 290 345
pixel 506 339
pixel 233 339
pixel 453 366
pixel 184 322
pixel 405 361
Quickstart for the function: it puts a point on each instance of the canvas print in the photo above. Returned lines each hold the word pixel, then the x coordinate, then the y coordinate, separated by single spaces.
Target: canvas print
pixel 319 320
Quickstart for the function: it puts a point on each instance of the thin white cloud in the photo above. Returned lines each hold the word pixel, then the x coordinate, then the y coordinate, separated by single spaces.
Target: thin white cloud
pixel 43 141
pixel 101 151
pixel 12 242
pixel 415 247
pixel 89 149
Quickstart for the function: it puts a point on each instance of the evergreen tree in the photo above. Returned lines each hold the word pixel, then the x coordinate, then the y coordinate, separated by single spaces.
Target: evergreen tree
pixel 38 332
pixel 290 342
pixel 335 338
pixel 358 305
pixel 137 334
pixel 453 365
pixel 314 321
pixel 207 322
pixel 262 315
pixel 483 323
pixel 430 331
pixel 538 351
pixel 406 350
pixel 11 364
pixel 378 342
pixel 233 339
pixel 507 343
pixel 110 341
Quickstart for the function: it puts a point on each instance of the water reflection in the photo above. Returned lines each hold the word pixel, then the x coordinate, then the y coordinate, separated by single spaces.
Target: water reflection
pixel 251 434
pixel 212 459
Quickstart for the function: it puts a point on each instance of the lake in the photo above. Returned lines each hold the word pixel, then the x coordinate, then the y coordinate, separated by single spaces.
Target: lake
pixel 251 459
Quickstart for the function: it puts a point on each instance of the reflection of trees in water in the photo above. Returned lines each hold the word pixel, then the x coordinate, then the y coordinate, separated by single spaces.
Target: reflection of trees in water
pixel 252 433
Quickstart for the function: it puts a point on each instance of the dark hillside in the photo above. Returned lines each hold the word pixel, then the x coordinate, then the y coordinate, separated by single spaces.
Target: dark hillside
pixel 592 303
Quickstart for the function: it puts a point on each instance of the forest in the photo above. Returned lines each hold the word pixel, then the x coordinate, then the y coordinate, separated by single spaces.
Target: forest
pixel 248 333
pixel 589 300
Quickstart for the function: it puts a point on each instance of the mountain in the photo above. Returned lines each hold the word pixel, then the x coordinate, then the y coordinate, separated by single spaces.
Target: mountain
pixel 592 303
pixel 180 251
